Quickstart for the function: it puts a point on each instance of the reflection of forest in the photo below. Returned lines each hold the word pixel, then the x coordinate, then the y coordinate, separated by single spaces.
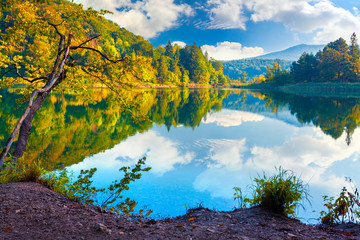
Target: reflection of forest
pixel 333 115
pixel 66 130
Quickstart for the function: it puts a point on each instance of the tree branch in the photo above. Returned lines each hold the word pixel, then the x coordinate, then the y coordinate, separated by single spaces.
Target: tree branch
pixel 60 47
pixel 100 53
pixel 90 39
pixel 27 79
pixel 55 26
pixel 2 75
pixel 100 79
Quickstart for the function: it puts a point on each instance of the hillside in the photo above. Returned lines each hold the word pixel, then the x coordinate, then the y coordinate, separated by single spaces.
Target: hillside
pixel 257 66
pixel 169 65
pixel 292 53
pixel 253 67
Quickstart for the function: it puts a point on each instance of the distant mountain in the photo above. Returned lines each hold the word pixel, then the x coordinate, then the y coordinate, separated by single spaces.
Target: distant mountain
pixel 293 53
pixel 257 65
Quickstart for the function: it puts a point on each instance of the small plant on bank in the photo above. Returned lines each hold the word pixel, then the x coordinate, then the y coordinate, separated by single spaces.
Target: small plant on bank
pixel 61 182
pixel 82 189
pixel 346 208
pixel 240 198
pixel 114 191
pixel 21 172
pixel 281 192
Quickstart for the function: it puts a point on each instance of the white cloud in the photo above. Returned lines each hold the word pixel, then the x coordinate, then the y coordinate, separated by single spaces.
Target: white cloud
pixel 225 14
pixel 146 18
pixel 179 43
pixel 230 118
pixel 329 22
pixel 356 11
pixel 162 154
pixel 305 16
pixel 231 50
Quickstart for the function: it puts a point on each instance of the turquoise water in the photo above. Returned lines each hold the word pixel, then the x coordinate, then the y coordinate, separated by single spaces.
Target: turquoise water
pixel 200 143
pixel 202 164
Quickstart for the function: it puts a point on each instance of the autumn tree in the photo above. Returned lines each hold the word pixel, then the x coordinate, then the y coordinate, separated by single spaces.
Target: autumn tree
pixel 337 62
pixel 244 77
pixel 339 45
pixel 50 46
pixel 277 75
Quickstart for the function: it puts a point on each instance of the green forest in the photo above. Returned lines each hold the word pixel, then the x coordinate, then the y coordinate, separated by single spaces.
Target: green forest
pixel 169 64
pixel 338 62
pixel 58 46
pixel 247 69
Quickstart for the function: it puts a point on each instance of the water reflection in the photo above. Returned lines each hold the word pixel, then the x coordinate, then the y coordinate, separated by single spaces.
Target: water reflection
pixel 334 116
pixel 66 129
pixel 202 143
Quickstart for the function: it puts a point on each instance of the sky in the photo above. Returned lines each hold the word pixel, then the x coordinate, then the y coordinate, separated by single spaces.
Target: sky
pixel 235 29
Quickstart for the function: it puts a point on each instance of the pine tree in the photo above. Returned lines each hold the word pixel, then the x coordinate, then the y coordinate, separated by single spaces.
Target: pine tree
pixel 354 49
pixel 169 50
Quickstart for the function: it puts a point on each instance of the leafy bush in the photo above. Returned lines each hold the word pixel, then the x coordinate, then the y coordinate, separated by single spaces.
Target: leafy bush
pixel 21 172
pixel 81 190
pixel 281 192
pixel 61 182
pixel 346 208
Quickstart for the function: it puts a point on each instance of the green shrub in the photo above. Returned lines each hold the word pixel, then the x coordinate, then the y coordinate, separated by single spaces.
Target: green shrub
pixel 281 192
pixel 81 189
pixel 21 172
pixel 346 208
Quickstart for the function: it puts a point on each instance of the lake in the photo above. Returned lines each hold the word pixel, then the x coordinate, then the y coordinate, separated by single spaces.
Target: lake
pixel 200 143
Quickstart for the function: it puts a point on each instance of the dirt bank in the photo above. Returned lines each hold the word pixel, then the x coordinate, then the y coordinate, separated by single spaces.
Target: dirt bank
pixel 31 211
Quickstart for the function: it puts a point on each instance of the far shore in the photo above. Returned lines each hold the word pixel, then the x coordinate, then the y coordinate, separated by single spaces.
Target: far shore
pixel 309 88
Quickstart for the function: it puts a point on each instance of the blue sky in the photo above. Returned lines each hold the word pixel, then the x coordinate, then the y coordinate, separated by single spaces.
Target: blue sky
pixel 235 29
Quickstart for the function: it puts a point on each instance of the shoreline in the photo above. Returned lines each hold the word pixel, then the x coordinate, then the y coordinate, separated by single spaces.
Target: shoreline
pixel 32 211
pixel 309 86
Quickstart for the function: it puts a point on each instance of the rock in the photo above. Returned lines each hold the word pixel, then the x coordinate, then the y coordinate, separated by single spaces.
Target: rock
pixel 292 236
pixel 78 224
pixel 151 222
pixel 102 228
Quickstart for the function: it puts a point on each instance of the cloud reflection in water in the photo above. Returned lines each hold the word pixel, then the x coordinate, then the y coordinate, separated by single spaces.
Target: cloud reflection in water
pixel 204 163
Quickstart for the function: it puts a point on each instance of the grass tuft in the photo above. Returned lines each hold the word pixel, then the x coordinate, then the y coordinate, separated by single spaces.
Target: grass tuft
pixel 281 192
pixel 22 172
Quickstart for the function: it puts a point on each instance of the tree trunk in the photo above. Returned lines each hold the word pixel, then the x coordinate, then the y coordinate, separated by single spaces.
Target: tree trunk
pixel 25 129
pixel 26 126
